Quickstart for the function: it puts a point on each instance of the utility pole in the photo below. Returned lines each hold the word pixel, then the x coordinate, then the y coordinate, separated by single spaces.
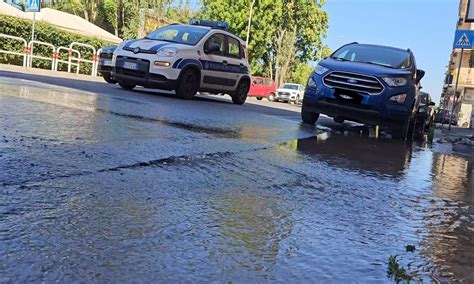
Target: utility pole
pixel 455 90
pixel 250 21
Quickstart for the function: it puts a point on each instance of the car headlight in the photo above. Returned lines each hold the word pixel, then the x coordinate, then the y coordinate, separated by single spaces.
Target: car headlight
pixel 320 70
pixel 167 52
pixel 395 81
pixel 311 83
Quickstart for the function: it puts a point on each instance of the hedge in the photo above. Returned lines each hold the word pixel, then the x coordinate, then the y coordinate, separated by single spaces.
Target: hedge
pixel 46 33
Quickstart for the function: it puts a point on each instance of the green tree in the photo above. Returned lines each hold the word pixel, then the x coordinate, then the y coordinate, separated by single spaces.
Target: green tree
pixel 282 31
pixel 301 72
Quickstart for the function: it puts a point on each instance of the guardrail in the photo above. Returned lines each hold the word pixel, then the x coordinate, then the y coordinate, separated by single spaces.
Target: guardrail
pixel 68 61
pixel 93 61
pixel 31 56
pixel 25 48
pixel 74 55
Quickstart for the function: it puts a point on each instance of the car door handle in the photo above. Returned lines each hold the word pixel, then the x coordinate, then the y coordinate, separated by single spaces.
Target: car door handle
pixel 225 62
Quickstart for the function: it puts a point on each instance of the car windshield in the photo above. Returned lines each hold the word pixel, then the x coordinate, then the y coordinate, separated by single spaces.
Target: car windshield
pixel 378 55
pixel 179 34
pixel 290 86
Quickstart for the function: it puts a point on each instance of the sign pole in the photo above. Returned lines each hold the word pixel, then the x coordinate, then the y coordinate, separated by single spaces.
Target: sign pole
pixel 455 89
pixel 33 28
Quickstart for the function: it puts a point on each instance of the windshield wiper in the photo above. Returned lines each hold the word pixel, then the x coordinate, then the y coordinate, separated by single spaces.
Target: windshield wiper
pixel 340 59
pixel 378 64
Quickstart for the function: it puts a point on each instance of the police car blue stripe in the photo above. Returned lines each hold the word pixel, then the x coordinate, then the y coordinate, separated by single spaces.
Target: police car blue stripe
pixel 175 65
pixel 156 47
pixel 189 61
pixel 130 42
pixel 221 67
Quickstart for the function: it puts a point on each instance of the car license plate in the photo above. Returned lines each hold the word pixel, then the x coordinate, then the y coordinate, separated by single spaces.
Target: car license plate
pixel 107 62
pixel 130 65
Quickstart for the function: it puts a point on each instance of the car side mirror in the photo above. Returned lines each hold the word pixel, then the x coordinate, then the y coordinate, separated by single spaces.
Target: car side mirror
pixel 419 75
pixel 212 47
pixel 432 104
pixel 254 82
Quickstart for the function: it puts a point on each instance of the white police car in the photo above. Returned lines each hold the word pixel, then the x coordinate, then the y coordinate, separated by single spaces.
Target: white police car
pixel 201 56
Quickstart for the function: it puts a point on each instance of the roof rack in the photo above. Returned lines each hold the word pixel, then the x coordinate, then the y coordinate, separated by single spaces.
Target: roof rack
pixel 213 24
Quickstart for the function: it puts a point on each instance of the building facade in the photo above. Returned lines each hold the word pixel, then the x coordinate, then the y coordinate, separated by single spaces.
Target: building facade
pixel 463 97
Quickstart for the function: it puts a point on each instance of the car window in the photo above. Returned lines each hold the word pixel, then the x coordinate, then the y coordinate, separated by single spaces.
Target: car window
pixel 258 81
pixel 233 47
pixel 218 39
pixel 242 52
pixel 290 86
pixel 268 82
pixel 372 54
pixel 179 34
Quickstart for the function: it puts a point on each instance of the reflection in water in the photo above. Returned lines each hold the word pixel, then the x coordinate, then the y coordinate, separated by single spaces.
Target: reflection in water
pixel 450 218
pixel 251 229
pixel 358 153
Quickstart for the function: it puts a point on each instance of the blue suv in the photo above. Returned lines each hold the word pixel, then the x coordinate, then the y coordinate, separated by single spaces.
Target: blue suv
pixel 369 84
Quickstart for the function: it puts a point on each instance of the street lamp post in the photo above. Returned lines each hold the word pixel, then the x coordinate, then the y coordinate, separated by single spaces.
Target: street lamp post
pixel 248 26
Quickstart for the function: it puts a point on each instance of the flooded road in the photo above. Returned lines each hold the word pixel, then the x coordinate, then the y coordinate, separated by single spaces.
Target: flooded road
pixel 113 186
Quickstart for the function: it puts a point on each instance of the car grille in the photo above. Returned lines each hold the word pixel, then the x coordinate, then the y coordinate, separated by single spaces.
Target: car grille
pixel 106 55
pixel 283 94
pixel 139 50
pixel 141 72
pixel 354 82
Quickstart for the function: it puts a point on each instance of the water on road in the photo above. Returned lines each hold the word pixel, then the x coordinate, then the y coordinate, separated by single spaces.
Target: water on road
pixel 137 187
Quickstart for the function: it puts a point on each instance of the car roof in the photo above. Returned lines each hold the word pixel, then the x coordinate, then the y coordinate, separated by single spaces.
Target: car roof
pixel 381 46
pixel 212 28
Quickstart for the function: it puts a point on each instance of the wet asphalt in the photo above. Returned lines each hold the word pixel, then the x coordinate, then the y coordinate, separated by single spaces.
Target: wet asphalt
pixel 99 184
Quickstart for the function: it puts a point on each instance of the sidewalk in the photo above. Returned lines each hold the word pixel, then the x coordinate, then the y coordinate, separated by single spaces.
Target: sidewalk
pixel 49 73
pixel 462 139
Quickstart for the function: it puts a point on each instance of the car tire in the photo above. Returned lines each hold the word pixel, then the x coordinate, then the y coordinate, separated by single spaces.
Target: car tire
pixel 308 117
pixel 127 86
pixel 271 97
pixel 109 79
pixel 297 101
pixel 188 85
pixel 240 94
pixel 405 131
pixel 259 98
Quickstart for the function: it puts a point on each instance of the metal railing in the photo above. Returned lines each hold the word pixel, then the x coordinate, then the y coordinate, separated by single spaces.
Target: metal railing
pixel 31 55
pixel 25 52
pixel 93 61
pixel 74 55
pixel 69 62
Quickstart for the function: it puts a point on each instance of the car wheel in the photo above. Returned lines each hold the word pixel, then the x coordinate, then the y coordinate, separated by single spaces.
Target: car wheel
pixel 259 98
pixel 297 101
pixel 271 97
pixel 308 117
pixel 188 85
pixel 405 131
pixel 127 86
pixel 108 78
pixel 241 92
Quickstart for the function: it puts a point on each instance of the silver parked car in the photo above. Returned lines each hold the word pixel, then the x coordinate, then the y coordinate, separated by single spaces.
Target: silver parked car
pixel 290 92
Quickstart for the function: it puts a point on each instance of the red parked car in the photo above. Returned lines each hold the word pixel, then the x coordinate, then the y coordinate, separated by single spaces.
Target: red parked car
pixel 262 88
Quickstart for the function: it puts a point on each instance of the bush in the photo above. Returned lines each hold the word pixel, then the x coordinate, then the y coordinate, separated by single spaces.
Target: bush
pixel 46 33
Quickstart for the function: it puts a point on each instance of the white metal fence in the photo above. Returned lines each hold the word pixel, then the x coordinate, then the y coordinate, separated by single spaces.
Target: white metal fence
pixel 74 58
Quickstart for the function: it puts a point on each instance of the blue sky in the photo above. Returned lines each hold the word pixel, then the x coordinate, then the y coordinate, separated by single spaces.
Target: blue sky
pixel 425 26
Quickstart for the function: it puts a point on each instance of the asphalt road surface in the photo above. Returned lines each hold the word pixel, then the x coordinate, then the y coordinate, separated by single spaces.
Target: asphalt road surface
pixel 99 184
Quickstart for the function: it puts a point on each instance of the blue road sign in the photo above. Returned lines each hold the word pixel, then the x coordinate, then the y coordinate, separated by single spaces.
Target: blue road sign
pixel 32 5
pixel 464 39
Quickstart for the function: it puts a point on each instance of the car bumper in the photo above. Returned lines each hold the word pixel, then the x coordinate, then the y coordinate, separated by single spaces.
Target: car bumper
pixel 285 98
pixel 365 114
pixel 142 76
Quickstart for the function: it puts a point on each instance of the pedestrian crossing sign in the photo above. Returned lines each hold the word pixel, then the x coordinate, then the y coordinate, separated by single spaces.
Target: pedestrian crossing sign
pixel 32 5
pixel 464 39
